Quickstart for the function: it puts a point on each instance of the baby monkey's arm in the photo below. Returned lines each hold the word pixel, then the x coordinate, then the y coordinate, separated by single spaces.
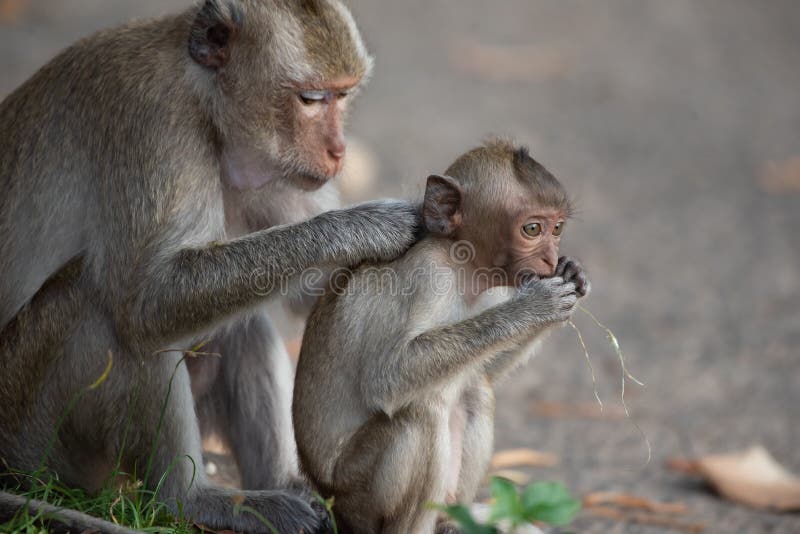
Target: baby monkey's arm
pixel 507 360
pixel 427 360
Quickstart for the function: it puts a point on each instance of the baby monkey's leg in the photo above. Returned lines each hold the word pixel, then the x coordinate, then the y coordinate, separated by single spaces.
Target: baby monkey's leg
pixel 389 471
pixel 478 440
pixel 476 408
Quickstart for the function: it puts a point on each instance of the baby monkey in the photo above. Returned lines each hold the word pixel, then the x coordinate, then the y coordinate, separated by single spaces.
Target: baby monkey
pixel 393 401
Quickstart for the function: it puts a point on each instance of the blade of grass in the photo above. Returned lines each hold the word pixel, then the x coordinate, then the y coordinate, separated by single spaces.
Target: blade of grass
pixel 588 362
pixel 625 373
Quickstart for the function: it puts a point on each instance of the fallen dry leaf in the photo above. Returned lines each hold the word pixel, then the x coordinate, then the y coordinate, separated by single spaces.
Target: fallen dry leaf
pixel 624 500
pixel 10 10
pixel 586 410
pixel 644 518
pixel 684 465
pixel 781 176
pixel 752 477
pixel 526 63
pixel 523 457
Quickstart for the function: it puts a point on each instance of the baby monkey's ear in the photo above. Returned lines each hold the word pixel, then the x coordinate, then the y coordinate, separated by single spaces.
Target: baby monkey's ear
pixel 441 210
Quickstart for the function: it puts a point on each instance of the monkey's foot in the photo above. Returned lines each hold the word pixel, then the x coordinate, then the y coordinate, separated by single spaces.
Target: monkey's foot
pixel 447 527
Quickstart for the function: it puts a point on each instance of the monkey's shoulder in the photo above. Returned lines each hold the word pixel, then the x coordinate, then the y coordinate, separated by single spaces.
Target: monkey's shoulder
pixel 430 255
pixel 392 297
pixel 425 272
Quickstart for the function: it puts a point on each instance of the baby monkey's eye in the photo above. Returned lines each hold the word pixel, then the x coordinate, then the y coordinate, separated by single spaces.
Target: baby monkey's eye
pixel 532 229
pixel 558 228
pixel 312 97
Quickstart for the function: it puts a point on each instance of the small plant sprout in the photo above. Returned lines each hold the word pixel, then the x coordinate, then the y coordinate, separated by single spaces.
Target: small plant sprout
pixel 328 504
pixel 543 502
pixel 122 500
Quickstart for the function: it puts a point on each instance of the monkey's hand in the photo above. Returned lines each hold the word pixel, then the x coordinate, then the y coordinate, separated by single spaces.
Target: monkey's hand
pixel 571 270
pixel 379 230
pixel 550 300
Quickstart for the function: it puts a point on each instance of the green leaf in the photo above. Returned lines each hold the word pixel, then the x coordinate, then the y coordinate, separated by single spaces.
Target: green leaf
pixel 506 502
pixel 544 493
pixel 558 515
pixel 549 502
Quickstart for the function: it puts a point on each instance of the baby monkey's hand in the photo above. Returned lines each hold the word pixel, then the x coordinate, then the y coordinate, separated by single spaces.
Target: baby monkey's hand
pixel 571 270
pixel 550 299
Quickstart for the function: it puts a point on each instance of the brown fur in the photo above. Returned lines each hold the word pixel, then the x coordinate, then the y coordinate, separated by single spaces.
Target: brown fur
pixel 134 160
pixel 394 402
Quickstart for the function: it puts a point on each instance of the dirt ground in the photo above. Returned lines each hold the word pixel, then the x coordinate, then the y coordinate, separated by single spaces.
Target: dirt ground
pixel 677 127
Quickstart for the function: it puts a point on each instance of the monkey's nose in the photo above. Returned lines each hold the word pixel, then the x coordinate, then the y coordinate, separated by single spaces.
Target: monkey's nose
pixel 334 162
pixel 336 153
pixel 550 259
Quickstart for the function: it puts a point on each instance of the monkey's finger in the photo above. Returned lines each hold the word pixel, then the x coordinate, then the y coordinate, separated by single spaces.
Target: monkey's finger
pixel 562 262
pixel 572 271
pixel 569 288
pixel 569 267
pixel 577 276
pixel 582 283
pixel 325 525
pixel 560 286
pixel 527 278
pixel 554 281
pixel 566 304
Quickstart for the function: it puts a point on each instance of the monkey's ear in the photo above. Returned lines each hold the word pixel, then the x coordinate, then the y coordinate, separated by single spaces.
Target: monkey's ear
pixel 441 210
pixel 216 25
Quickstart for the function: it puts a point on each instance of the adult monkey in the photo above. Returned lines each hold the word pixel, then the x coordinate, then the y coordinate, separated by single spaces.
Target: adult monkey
pixel 126 228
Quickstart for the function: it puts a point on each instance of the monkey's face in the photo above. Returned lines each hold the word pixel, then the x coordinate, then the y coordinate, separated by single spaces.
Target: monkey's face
pixel 507 205
pixel 521 239
pixel 532 242
pixel 283 76
pixel 314 139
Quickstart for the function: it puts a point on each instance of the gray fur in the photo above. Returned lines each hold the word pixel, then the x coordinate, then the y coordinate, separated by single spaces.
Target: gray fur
pixel 394 402
pixel 380 376
pixel 115 165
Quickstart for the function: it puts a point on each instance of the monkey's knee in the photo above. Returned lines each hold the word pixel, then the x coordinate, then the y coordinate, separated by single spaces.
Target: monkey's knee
pixel 248 403
pixel 388 476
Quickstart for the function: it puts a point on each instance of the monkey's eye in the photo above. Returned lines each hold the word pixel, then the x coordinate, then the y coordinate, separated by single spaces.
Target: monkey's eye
pixel 312 97
pixel 558 228
pixel 532 229
pixel 342 94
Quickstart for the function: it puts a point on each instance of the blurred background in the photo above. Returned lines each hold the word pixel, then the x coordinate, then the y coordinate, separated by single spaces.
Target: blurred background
pixel 676 126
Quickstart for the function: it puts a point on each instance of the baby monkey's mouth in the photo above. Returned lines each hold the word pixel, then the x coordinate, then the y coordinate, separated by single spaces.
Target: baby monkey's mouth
pixel 527 276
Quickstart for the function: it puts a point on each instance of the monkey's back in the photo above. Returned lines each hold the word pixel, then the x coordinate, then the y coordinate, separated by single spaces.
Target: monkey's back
pixel 352 331
pixel 82 131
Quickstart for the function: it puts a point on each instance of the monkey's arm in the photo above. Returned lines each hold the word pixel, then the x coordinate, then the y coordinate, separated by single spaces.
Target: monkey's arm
pixel 192 288
pixel 506 361
pixel 437 355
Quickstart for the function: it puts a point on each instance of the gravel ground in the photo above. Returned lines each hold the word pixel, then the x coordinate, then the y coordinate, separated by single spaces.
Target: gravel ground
pixel 672 123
